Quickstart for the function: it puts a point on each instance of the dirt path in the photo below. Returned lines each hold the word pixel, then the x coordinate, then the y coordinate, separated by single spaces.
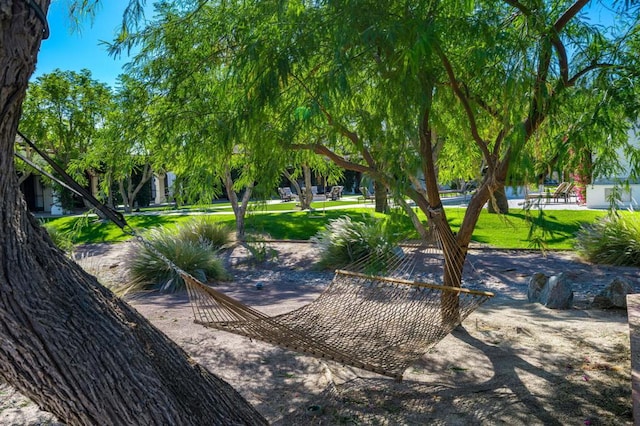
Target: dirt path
pixel 512 362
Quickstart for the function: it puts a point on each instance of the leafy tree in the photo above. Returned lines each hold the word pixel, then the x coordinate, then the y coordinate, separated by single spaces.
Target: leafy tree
pixel 65 113
pixel 130 146
pixel 219 138
pixel 375 86
pixel 67 342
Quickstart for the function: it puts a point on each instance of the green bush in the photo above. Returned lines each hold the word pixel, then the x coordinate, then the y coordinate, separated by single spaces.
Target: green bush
pixel 147 270
pixel 612 240
pixel 61 239
pixel 204 230
pixel 344 242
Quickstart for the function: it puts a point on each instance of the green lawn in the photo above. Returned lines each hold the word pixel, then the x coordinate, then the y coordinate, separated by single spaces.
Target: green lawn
pixel 509 231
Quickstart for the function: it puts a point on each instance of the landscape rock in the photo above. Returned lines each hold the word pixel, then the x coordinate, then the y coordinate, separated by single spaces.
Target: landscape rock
pixel 555 292
pixel 537 282
pixel 614 295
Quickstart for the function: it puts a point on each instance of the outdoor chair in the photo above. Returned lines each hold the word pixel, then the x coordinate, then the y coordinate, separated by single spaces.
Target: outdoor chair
pixel 285 194
pixel 537 197
pixel 366 195
pixel 334 194
pixel 567 193
pixel 561 191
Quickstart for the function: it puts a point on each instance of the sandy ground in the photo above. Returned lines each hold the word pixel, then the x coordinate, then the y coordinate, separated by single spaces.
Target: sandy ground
pixel 511 362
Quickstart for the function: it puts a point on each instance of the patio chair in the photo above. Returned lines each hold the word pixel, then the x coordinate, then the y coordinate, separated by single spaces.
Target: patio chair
pixel 537 197
pixel 285 194
pixel 561 191
pixel 334 194
pixel 366 195
pixel 567 193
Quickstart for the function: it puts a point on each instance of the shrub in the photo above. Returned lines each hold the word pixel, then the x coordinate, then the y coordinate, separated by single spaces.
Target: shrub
pixel 260 251
pixel 61 239
pixel 148 270
pixel 345 242
pixel 613 240
pixel 205 230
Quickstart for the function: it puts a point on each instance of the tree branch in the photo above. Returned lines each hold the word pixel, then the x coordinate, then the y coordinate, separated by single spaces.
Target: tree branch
pixel 465 104
pixel 481 102
pixel 522 8
pixel 562 58
pixel 585 70
pixel 338 159
pixel 568 15
pixel 352 136
pixel 558 26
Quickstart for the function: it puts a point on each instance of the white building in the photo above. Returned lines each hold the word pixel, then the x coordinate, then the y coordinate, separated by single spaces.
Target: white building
pixel 600 191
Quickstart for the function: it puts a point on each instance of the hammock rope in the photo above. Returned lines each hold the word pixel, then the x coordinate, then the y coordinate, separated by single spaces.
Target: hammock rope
pixel 379 324
pixel 363 319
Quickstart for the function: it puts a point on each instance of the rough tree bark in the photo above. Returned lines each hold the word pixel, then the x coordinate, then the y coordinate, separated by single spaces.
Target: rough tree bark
pixel 66 342
pixel 380 195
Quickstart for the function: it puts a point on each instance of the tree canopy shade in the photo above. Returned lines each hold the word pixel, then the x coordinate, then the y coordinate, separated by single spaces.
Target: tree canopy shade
pixel 411 93
pixel 65 341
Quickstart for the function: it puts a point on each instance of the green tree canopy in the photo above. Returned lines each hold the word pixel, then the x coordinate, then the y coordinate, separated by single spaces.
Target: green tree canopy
pixel 377 86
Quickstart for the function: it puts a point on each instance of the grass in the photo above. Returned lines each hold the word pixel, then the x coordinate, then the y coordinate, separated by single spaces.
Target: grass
pixel 257 207
pixel 509 231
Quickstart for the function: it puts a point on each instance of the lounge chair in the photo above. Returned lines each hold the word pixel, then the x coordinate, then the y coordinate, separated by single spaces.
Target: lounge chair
pixel 366 195
pixel 532 197
pixel 565 193
pixel 560 191
pixel 285 194
pixel 334 194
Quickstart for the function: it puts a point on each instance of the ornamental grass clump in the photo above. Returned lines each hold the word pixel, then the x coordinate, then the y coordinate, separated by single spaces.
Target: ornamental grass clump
pixel 612 240
pixel 205 230
pixel 147 270
pixel 62 240
pixel 344 242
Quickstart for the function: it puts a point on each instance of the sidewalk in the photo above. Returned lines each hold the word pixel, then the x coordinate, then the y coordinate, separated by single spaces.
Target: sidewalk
pixel 519 203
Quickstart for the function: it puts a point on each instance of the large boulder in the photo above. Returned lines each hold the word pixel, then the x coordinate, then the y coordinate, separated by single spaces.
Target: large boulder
pixel 555 292
pixel 537 282
pixel 614 295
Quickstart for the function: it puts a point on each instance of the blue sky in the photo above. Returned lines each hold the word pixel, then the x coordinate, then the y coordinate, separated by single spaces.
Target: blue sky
pixel 75 50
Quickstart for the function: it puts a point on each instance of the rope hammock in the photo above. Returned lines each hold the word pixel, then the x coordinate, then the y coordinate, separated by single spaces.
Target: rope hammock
pixel 362 319
pixel 377 323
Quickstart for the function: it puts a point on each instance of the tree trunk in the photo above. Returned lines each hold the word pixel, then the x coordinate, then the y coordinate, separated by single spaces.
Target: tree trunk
pixel 239 208
pixel 498 203
pixel 426 235
pixel 161 189
pixel 126 203
pixel 295 185
pixel 66 342
pixel 380 195
pixel 306 197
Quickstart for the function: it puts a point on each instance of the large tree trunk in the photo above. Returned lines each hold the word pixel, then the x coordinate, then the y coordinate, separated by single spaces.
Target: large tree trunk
pixel 66 342
pixel 380 195
pixel 498 203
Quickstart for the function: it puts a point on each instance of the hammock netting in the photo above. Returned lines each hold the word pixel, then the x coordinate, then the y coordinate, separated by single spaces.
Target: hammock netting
pixel 372 316
pixel 377 323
